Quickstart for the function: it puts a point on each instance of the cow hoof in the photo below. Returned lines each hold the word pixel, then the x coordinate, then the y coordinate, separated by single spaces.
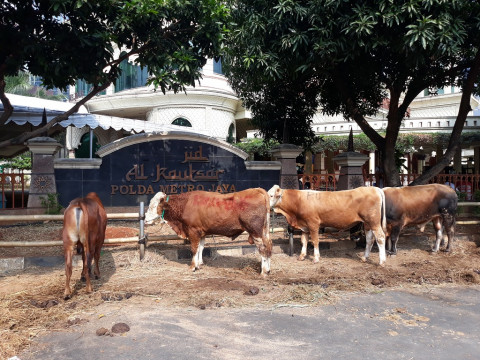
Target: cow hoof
pixel 364 259
pixel 447 250
pixel 67 296
pixel 316 261
pixel 301 258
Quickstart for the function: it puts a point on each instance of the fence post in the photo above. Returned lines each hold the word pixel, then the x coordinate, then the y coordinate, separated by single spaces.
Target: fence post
pixel 287 154
pixel 42 180
pixel 141 236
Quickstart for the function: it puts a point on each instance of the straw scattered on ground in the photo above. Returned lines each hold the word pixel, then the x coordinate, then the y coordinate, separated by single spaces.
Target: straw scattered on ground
pixel 31 300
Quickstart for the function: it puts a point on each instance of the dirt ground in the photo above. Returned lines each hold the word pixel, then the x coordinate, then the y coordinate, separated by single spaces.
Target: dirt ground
pixel 31 300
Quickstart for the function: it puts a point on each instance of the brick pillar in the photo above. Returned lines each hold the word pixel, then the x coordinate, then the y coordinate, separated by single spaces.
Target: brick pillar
pixel 42 181
pixel 286 154
pixel 351 175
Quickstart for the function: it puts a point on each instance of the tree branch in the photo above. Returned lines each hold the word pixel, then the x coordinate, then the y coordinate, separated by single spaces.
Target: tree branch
pixel 7 106
pixel 28 135
pixel 463 111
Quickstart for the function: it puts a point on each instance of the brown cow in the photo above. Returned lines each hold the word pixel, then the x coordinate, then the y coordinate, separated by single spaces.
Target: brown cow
pixel 310 210
pixel 196 214
pixel 418 205
pixel 84 224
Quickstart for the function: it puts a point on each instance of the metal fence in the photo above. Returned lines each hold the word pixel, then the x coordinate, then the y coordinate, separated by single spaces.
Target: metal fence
pixel 14 185
pixel 466 184
pixel 13 189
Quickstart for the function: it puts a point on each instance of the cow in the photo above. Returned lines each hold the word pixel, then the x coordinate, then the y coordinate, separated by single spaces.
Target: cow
pixel 196 214
pixel 418 205
pixel 84 225
pixel 310 210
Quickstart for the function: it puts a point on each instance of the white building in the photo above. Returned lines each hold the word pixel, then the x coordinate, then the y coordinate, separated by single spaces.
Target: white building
pixel 212 108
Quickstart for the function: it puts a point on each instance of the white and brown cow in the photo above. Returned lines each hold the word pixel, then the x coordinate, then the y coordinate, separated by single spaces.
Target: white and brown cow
pixel 84 225
pixel 418 205
pixel 309 210
pixel 196 214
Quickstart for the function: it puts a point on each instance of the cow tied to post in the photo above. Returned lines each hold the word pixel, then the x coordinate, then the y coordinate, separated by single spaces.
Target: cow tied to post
pixel 418 205
pixel 196 214
pixel 309 210
pixel 84 225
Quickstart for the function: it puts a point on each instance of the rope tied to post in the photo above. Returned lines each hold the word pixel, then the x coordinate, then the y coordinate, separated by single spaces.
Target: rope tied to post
pixel 163 212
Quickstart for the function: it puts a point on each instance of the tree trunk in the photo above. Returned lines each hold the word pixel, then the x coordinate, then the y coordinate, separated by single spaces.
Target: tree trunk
pixel 285 135
pixel 463 111
pixel 7 107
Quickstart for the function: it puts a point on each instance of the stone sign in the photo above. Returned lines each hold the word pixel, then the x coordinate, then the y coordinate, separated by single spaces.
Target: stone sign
pixel 135 168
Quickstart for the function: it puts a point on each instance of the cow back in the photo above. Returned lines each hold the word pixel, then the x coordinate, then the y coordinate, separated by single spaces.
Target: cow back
pixel 338 209
pixel 211 213
pixel 415 205
pixel 88 218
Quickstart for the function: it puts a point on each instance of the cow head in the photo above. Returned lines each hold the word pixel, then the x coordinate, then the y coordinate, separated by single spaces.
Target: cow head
pixel 155 208
pixel 275 194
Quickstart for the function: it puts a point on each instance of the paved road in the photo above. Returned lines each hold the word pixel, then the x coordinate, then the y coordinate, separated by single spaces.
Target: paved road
pixel 442 323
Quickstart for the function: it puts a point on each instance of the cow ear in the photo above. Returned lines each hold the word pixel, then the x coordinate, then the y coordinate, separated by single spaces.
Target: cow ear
pixel 278 191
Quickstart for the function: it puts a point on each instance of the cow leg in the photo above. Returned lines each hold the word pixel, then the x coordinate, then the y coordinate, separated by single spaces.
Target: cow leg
pixel 368 247
pixel 194 246
pixel 201 246
pixel 68 253
pixel 437 225
pixel 449 225
pixel 393 239
pixel 303 252
pixel 315 241
pixel 87 269
pixel 388 243
pixel 264 247
pixel 83 277
pixel 380 238
pixel 96 271
pixel 265 266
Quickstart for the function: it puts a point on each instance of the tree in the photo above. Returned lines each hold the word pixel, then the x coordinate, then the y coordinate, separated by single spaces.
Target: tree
pixel 20 85
pixel 360 55
pixel 66 40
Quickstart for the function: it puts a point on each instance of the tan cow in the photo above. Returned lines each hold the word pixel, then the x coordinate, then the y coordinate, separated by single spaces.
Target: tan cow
pixel 309 210
pixel 84 225
pixel 418 205
pixel 196 214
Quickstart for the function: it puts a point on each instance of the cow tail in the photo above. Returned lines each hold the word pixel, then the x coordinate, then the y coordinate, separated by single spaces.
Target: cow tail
pixel 383 211
pixel 86 245
pixel 266 224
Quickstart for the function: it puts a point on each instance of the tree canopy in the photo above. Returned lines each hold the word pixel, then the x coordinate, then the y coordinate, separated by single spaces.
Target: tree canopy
pixel 66 40
pixel 355 56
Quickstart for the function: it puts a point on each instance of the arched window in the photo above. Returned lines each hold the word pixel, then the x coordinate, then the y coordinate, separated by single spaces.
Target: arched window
pixel 181 122
pixel 230 138
pixel 83 151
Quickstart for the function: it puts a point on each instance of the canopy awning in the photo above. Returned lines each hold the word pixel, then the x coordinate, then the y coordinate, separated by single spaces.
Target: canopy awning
pixel 29 110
